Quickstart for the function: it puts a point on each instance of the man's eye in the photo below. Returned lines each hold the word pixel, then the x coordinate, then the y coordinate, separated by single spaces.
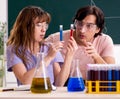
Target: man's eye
pixel 89 25
pixel 81 24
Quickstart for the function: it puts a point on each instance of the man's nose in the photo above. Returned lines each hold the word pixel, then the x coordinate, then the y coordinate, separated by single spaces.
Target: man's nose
pixel 83 29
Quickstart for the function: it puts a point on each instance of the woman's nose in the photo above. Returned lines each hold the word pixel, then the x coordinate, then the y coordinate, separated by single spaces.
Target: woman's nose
pixel 43 29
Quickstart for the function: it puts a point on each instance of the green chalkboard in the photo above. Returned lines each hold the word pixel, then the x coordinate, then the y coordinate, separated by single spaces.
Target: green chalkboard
pixel 62 12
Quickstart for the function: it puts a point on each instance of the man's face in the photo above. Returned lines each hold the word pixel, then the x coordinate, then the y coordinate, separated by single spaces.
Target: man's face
pixel 86 29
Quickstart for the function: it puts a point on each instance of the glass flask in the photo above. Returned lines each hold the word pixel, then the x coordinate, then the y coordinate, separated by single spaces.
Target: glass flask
pixel 41 82
pixel 75 82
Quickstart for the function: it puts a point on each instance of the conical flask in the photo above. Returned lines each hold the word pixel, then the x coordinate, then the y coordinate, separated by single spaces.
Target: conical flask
pixel 41 82
pixel 75 82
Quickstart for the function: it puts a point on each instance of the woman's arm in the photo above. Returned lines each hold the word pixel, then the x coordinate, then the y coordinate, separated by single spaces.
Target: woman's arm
pixel 21 73
pixel 25 76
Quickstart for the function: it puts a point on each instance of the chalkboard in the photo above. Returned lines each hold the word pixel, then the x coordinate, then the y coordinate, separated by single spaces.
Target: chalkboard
pixel 62 12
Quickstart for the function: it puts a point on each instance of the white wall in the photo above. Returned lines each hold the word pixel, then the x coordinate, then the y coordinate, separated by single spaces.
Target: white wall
pixel 117 53
pixel 3 10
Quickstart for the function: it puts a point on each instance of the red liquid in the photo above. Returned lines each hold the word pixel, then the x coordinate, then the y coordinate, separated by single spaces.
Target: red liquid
pixel 71 32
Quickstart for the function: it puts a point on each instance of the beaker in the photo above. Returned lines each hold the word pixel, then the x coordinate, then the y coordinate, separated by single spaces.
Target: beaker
pixel 75 82
pixel 41 82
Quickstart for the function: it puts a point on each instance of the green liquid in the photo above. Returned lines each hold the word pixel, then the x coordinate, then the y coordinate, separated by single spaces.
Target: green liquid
pixel 41 85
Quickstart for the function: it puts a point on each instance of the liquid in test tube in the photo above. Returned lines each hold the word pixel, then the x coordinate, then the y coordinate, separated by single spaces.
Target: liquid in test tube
pixel 61 32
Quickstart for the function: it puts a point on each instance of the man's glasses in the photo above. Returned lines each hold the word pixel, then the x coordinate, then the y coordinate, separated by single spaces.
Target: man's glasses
pixel 42 25
pixel 88 26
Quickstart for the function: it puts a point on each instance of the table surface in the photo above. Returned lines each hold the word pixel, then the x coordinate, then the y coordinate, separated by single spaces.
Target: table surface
pixel 60 93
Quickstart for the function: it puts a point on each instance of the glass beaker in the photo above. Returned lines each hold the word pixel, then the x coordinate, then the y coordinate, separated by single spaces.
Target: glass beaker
pixel 41 82
pixel 75 82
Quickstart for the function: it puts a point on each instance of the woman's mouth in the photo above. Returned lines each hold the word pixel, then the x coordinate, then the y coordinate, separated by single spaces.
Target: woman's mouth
pixel 41 36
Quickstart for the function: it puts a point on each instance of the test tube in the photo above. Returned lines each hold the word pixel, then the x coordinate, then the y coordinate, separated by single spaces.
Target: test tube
pixel 118 72
pixel 61 32
pixel 117 68
pixel 71 30
pixel 114 77
pixel 102 77
pixel 88 72
pixel 109 78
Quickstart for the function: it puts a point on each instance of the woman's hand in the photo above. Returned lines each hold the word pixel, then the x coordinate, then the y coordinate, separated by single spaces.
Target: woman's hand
pixel 54 48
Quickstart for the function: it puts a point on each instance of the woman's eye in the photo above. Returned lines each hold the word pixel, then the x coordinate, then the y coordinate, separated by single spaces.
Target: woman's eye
pixel 39 25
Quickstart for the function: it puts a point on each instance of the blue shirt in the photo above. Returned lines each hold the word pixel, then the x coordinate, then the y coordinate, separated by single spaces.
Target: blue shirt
pixel 13 59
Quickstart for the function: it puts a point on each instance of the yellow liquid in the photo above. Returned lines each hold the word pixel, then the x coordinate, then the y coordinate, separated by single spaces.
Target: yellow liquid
pixel 41 85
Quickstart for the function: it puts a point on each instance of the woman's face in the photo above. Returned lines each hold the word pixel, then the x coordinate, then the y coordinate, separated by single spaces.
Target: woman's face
pixel 86 29
pixel 40 30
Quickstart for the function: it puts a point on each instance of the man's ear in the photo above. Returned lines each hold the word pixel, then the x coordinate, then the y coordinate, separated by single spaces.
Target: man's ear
pixel 97 30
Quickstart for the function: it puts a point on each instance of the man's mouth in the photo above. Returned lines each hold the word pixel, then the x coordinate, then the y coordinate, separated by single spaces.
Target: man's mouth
pixel 82 36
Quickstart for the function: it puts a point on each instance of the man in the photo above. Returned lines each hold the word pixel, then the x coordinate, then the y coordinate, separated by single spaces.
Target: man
pixel 94 47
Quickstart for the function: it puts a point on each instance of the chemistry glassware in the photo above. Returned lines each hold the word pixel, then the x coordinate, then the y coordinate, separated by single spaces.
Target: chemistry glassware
pixel 41 82
pixel 75 82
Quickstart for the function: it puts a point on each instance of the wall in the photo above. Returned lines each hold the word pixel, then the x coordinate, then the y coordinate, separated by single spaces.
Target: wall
pixel 3 10
pixel 62 12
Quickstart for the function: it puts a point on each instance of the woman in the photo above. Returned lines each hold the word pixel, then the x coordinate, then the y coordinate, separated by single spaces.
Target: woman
pixel 27 39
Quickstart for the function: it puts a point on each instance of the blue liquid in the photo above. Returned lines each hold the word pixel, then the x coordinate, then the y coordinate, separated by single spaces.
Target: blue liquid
pixel 61 35
pixel 116 74
pixel 109 79
pixel 75 84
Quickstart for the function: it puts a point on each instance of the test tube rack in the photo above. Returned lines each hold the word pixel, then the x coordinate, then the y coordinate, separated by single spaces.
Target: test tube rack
pixel 103 79
pixel 103 87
